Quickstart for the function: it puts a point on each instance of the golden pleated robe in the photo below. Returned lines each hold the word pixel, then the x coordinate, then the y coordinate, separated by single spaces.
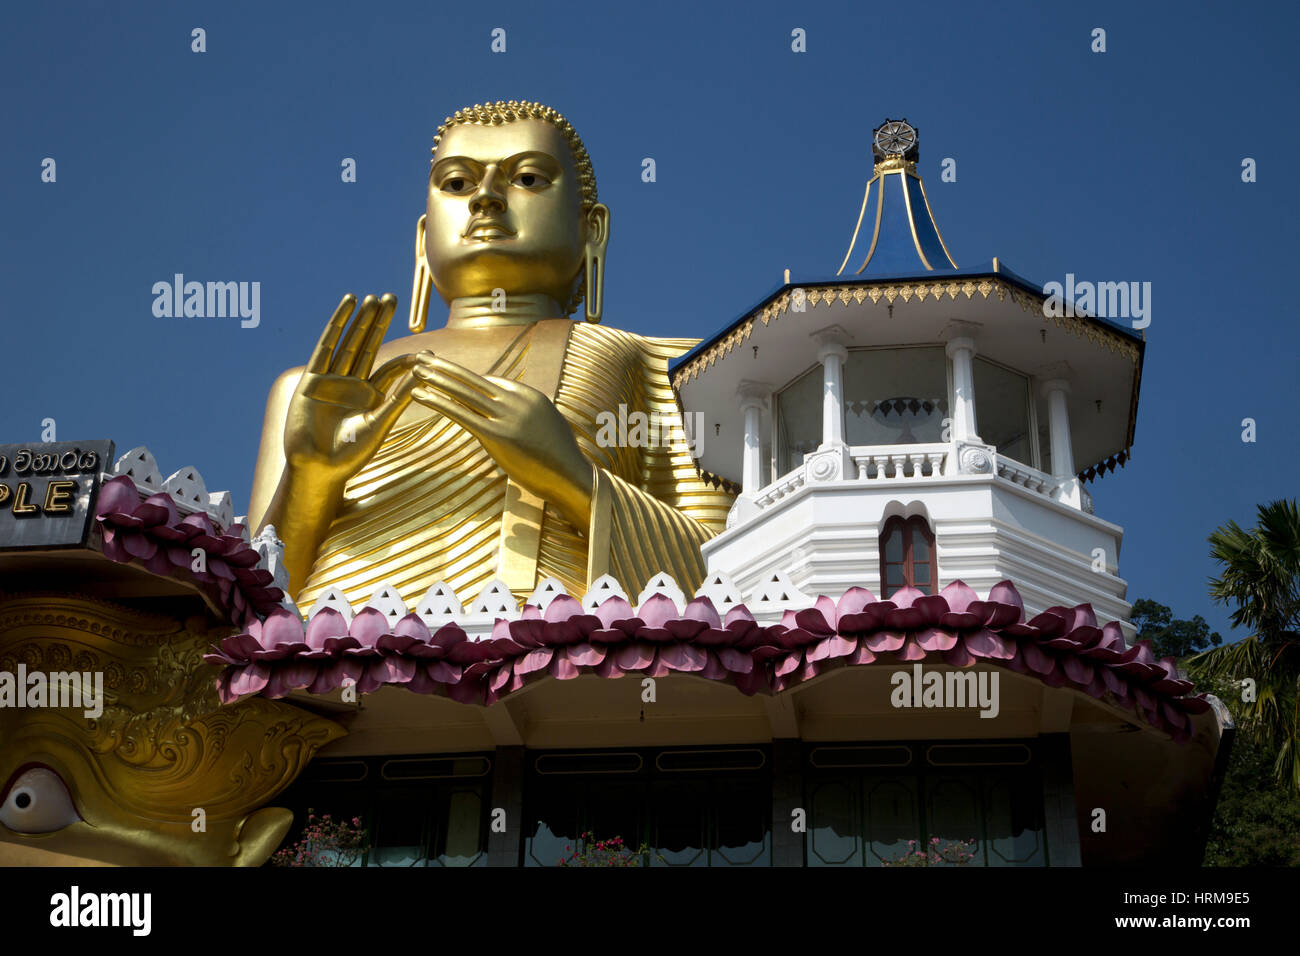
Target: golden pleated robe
pixel 432 505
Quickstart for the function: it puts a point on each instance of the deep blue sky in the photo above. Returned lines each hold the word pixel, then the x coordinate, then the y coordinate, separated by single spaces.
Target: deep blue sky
pixel 225 166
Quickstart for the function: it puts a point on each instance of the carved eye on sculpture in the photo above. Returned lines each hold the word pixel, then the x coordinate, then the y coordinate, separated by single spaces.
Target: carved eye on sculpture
pixel 38 802
pixel 458 184
pixel 531 179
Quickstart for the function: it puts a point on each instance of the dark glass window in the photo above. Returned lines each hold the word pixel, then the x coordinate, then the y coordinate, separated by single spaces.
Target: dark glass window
pixel 976 815
pixel 417 811
pixel 907 556
pixel 697 807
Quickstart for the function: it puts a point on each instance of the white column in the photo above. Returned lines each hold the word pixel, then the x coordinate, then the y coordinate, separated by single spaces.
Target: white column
pixel 832 354
pixel 961 350
pixel 753 401
pixel 1055 390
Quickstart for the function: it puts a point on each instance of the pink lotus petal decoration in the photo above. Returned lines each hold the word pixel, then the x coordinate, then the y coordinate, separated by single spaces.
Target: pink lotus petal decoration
pixel 151 535
pixel 1062 647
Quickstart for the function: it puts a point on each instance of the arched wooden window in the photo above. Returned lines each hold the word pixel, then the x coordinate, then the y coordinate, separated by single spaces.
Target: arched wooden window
pixel 907 556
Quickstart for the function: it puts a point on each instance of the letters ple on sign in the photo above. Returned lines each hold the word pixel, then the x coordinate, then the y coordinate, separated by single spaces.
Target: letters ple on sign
pixel 48 490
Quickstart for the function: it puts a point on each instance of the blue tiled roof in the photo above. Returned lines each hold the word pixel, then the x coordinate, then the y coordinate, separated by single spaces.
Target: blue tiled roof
pixel 896 231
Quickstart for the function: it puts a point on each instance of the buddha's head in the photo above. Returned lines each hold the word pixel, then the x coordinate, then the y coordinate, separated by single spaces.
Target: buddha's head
pixel 512 206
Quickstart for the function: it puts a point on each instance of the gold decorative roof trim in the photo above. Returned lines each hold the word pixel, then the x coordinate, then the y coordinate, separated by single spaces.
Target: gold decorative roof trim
pixel 920 290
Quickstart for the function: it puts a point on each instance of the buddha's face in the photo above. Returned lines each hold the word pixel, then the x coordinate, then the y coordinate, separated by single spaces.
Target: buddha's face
pixel 504 212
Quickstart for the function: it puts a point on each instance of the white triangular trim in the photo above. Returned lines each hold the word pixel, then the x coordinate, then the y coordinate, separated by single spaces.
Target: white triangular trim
pixel 388 602
pixel 601 590
pixel 332 597
pixel 662 583
pixel 546 592
pixel 719 588
pixel 495 600
pixel 440 605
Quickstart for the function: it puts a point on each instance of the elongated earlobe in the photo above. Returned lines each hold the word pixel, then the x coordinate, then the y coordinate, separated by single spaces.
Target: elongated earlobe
pixel 594 269
pixel 421 284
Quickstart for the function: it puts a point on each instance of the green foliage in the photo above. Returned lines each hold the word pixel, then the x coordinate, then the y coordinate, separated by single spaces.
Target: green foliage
pixel 1261 576
pixel 1170 636
pixel 1257 820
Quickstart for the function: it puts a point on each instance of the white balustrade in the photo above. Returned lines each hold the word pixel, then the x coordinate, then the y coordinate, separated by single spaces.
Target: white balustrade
pixel 780 488
pixel 899 462
pixel 919 462
pixel 1026 477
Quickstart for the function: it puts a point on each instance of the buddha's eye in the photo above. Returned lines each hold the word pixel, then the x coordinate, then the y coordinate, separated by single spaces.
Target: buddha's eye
pixel 530 179
pixel 38 802
pixel 457 185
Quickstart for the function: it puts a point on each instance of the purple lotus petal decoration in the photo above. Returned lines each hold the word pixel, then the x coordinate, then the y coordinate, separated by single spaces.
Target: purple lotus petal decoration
pixel 862 655
pixel 1192 705
pixel 249 679
pixel 872 617
pixel 1004 592
pixel 832 648
pixel 241 647
pixel 327 624
pixel 739 616
pixel 658 610
pixel 1060 647
pixel 1077 670
pixel 539 658
pixel 395 644
pixel 959 596
pixel 612 610
pixel 911 651
pixel 562 608
pixel 117 496
pixel 713 667
pixel 936 639
pixel 368 627
pixel 586 655
pixel 217 656
pixel 282 627
pixel 608 669
pixel 1050 624
pixel 442 672
pixel 905 597
pixel 884 642
pixel 959 656
pixel 907 619
pixel 853 601
pixel 634 657
pixel 138 545
pixel 787 664
pixel 1037 660
pixel 687 630
pixel 734 661
pixel 812 621
pixel 684 657
pixel 964 621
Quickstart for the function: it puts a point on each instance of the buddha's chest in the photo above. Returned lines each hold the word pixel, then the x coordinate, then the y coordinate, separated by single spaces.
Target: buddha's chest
pixel 532 354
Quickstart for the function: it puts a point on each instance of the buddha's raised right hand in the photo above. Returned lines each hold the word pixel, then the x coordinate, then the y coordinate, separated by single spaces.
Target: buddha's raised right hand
pixel 340 412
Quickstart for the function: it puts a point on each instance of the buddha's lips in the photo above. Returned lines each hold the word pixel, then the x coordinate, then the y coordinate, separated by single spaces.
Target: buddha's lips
pixel 483 228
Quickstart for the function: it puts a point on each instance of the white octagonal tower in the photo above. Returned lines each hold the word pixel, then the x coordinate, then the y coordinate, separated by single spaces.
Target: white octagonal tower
pixel 909 422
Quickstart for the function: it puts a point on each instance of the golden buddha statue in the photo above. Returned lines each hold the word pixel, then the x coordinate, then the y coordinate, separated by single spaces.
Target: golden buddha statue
pixel 470 452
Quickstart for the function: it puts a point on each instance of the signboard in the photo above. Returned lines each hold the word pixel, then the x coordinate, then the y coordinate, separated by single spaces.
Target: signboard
pixel 48 491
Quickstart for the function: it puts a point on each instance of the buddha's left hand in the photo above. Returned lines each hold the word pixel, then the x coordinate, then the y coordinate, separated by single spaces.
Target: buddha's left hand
pixel 518 426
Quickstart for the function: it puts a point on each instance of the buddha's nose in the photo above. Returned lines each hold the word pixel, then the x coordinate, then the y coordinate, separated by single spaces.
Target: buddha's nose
pixel 489 198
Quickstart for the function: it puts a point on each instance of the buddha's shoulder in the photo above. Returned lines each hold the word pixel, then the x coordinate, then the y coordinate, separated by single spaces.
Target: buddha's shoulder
pixel 632 343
